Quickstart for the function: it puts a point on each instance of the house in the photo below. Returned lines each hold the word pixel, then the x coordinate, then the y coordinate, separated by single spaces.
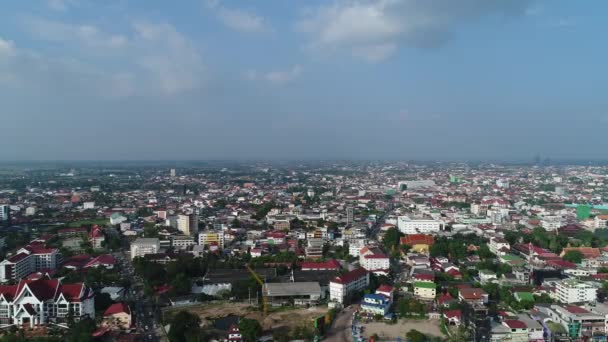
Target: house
pixel 486 276
pixel 41 301
pixel 106 261
pixel 31 258
pixel 118 315
pixel 453 317
pixel 445 300
pixel 96 237
pixel 425 290
pixel 473 296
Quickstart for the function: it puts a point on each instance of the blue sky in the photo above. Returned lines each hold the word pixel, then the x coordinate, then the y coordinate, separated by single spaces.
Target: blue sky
pixel 278 79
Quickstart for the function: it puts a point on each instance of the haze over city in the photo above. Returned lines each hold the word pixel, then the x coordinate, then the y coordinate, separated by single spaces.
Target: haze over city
pixel 376 79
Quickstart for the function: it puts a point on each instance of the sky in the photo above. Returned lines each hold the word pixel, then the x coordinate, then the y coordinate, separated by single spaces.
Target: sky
pixel 317 79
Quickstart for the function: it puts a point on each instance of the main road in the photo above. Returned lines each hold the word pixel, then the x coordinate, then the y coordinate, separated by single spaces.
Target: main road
pixel 341 329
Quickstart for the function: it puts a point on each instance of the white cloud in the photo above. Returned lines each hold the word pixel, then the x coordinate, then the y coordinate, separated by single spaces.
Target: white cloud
pixel 276 76
pixel 238 19
pixel 242 21
pixel 60 5
pixel 147 59
pixel 173 60
pixel 373 29
pixel 87 35
pixel 7 48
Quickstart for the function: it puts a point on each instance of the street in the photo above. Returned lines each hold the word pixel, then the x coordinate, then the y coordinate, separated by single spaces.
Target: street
pixel 144 312
pixel 341 329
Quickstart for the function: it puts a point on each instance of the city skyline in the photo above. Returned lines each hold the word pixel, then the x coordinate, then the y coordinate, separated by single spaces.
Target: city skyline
pixel 237 80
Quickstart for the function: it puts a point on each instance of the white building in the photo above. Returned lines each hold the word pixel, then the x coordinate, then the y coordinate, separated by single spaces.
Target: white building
pixel 37 302
pixel 498 246
pixel 551 223
pixel 143 246
pixel 355 245
pixel 347 284
pixel 30 211
pixel 182 241
pixel 27 260
pixel 407 225
pixel 88 205
pixel 570 291
pixel 373 260
pixel 211 237
pixel 188 224
pixel 5 211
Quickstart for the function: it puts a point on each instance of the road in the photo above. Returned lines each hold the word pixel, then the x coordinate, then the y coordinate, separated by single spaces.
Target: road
pixel 144 312
pixel 341 329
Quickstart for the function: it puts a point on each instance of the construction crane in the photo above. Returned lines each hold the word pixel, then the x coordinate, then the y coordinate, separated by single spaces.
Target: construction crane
pixel 261 282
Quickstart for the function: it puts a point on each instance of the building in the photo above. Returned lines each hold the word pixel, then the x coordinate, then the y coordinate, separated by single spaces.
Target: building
pixel 551 223
pixel 374 260
pixel 143 246
pixel 27 260
pixel 117 218
pixel 294 293
pixel 172 173
pixel 37 302
pixel 416 184
pixel 182 241
pixel 419 243
pixel 5 212
pixel 409 226
pixel 570 291
pixel 30 211
pixel 118 316
pixel 329 265
pixel 96 237
pixel 341 287
pixel 234 334
pixel 212 238
pixel 577 321
pixel 188 224
pixel 499 246
pixel 354 247
pixel 425 290
pixel 350 215
pixel 376 304
pixel 473 296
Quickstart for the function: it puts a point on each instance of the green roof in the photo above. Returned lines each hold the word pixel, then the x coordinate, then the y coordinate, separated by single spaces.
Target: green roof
pixel 425 284
pixel 524 296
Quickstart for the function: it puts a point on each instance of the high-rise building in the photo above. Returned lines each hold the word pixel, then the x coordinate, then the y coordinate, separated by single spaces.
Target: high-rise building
pixel 172 172
pixel 188 224
pixel 350 215
pixel 4 212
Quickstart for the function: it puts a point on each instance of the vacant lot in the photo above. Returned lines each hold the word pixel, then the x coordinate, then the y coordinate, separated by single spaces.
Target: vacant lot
pixel 288 318
pixel 393 331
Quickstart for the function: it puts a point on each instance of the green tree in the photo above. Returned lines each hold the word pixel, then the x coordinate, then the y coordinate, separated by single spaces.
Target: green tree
pixel 81 331
pixel 391 238
pixel 250 329
pixel 574 256
pixel 185 326
pixel 415 336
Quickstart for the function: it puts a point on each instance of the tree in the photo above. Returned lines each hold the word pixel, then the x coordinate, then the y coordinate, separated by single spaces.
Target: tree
pixel 391 238
pixel 102 302
pixel 185 326
pixel 415 336
pixel 574 256
pixel 81 331
pixel 250 329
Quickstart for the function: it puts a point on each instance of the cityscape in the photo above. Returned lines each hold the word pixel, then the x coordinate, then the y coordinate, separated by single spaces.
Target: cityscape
pixel 335 251
pixel 303 171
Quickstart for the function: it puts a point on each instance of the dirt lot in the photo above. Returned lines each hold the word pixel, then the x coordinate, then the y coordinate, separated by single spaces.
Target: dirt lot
pixel 392 331
pixel 289 318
